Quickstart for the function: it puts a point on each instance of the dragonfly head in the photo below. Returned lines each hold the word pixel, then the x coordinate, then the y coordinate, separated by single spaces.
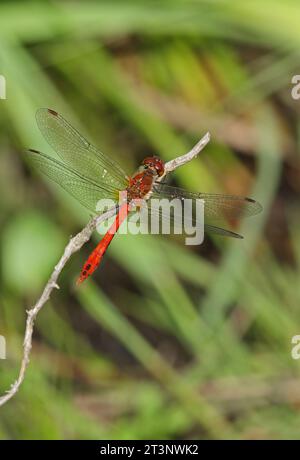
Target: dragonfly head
pixel 155 164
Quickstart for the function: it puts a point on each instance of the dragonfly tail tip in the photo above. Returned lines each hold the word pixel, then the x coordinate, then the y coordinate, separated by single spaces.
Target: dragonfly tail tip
pixel 79 281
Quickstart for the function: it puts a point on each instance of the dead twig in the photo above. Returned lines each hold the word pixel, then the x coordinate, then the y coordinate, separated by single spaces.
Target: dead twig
pixel 73 246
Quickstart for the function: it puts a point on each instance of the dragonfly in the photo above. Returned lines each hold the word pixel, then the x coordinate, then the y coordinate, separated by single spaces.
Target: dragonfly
pixel 89 176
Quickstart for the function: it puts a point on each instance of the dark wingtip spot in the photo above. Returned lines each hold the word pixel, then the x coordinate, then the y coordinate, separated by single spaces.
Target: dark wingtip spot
pixel 34 151
pixel 53 112
pixel 250 200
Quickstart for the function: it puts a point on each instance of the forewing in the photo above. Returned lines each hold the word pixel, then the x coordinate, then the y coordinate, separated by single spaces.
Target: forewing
pixel 179 224
pixel 77 152
pixel 216 206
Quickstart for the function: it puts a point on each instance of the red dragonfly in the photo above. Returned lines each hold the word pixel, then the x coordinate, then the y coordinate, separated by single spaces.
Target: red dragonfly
pixel 90 176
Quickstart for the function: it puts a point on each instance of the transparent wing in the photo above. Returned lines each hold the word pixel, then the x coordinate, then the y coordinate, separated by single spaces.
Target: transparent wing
pixel 77 152
pixel 175 220
pixel 221 231
pixel 87 192
pixel 216 206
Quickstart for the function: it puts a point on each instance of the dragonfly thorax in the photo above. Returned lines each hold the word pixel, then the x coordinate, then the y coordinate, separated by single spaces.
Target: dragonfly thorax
pixel 141 183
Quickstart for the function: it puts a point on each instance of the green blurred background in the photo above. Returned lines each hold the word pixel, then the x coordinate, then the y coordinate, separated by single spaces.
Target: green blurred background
pixel 166 341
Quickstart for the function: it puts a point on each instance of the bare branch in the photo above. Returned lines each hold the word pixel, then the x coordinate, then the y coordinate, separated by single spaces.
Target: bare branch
pixel 73 246
pixel 180 161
